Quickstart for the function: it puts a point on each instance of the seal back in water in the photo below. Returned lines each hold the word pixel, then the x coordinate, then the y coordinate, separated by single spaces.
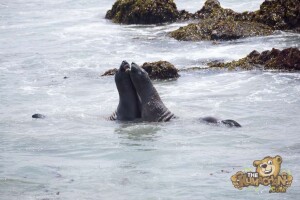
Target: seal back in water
pixel 227 122
pixel 129 105
pixel 152 107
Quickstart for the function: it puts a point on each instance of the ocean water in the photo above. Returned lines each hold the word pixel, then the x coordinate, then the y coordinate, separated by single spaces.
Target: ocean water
pixel 75 153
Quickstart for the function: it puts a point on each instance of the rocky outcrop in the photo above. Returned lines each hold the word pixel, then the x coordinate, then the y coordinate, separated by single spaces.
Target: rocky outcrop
pixel 285 60
pixel 110 72
pixel 272 15
pixel 211 29
pixel 217 23
pixel 212 9
pixel 279 14
pixel 156 70
pixel 160 70
pixel 143 11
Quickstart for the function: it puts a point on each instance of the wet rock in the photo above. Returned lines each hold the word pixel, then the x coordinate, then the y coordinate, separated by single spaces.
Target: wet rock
pixel 229 29
pixel 190 69
pixel 212 9
pixel 279 14
pixel 160 70
pixel 185 15
pixel 143 11
pixel 217 23
pixel 243 63
pixel 285 60
pixel 110 72
pixel 156 70
pixel 38 116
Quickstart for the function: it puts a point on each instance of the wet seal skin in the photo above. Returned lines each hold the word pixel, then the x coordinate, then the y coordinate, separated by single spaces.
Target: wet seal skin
pixel 138 99
pixel 227 122
pixel 38 116
pixel 129 105
pixel 152 107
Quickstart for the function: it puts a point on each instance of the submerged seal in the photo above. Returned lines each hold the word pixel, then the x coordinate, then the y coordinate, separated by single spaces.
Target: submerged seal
pixel 38 116
pixel 227 122
pixel 152 107
pixel 129 105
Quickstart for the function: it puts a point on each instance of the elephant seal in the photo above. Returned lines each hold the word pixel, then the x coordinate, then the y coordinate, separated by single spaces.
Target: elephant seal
pixel 152 107
pixel 129 105
pixel 227 122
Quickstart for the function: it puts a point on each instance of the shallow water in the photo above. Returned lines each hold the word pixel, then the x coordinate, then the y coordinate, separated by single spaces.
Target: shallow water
pixel 76 154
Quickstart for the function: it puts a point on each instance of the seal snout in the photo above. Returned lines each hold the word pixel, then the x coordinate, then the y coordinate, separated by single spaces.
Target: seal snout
pixel 124 66
pixel 134 67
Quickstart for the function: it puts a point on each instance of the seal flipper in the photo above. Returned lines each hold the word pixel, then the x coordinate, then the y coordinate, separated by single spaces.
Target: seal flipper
pixel 113 117
pixel 231 123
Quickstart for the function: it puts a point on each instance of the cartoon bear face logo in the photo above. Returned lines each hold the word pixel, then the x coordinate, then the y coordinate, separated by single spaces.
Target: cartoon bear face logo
pixel 268 166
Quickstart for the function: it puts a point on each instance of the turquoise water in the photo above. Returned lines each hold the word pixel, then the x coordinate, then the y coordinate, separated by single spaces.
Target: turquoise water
pixel 76 154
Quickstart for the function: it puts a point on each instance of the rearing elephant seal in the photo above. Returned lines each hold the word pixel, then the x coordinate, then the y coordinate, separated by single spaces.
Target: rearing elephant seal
pixel 129 105
pixel 152 107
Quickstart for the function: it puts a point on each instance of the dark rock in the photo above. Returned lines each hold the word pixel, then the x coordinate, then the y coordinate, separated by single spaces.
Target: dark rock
pixel 185 15
pixel 253 54
pixel 217 23
pixel 213 9
pixel 279 14
pixel 160 70
pixel 211 29
pixel 190 69
pixel 38 116
pixel 243 63
pixel 110 72
pixel 156 70
pixel 143 11
pixel 264 57
pixel 286 60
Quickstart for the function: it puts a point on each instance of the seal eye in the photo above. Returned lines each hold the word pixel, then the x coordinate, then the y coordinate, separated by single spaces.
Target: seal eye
pixel 270 162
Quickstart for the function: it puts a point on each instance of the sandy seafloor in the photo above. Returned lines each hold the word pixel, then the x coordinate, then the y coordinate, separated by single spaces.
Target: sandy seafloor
pixel 76 154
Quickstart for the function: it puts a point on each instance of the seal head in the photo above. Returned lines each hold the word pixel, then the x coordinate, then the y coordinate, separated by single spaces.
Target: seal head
pixel 152 107
pixel 129 105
